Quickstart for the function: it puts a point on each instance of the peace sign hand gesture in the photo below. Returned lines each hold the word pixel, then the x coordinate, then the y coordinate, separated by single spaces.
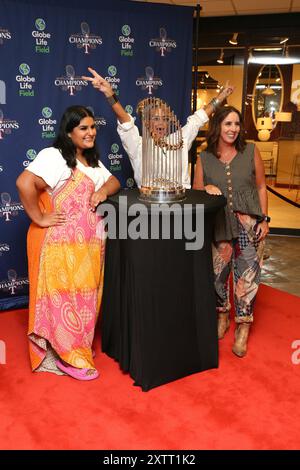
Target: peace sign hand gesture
pixel 99 83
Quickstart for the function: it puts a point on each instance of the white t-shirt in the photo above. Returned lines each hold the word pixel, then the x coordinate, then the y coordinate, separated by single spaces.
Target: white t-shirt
pixel 50 165
pixel 132 143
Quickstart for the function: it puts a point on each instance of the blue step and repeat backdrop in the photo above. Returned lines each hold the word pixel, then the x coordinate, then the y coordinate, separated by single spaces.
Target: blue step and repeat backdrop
pixel 142 49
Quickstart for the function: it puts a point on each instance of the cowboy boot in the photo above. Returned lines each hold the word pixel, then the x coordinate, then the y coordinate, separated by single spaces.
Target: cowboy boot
pixel 241 337
pixel 223 324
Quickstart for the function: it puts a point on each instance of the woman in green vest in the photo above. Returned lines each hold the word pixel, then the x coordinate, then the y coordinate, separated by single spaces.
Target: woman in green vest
pixel 234 168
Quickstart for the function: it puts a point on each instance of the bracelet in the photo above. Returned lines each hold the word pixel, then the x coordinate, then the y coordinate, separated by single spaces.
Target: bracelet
pixel 215 103
pixel 113 99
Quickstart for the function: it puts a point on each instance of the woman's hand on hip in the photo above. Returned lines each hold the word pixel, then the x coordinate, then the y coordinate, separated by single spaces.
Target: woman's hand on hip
pixel 49 220
pixel 262 230
pixel 214 190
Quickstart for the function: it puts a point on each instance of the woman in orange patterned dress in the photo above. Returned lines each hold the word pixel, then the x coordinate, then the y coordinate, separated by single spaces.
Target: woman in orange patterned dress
pixel 60 191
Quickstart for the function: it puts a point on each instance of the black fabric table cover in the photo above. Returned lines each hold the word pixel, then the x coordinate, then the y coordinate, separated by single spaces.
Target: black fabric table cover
pixel 158 312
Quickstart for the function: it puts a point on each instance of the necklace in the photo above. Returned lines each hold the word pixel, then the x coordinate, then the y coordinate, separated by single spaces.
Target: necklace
pixel 226 157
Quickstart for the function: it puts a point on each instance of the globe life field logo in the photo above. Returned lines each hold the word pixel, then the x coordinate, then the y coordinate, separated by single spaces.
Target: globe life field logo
pixel 115 158
pixel 25 81
pixel 130 182
pixel 41 37
pixel 129 109
pixel 47 124
pixel 30 156
pixel 163 44
pixel 113 79
pixel 126 41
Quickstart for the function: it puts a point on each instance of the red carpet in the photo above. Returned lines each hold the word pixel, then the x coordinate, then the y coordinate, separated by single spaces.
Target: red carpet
pixel 249 403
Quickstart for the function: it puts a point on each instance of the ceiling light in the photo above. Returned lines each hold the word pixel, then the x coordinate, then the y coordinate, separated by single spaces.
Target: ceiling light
pixel 233 40
pixel 265 60
pixel 220 60
pixel 283 40
pixel 267 49
pixel 268 91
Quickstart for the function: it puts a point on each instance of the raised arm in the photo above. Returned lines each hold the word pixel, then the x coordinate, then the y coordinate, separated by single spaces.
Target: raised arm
pixel 30 186
pixel 215 102
pixel 201 116
pixel 104 86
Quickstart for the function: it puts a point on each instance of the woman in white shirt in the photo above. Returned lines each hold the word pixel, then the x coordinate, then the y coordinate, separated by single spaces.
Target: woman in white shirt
pixel 60 191
pixel 129 133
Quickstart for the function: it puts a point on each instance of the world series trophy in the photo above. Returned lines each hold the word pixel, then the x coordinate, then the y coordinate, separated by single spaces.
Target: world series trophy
pixel 161 152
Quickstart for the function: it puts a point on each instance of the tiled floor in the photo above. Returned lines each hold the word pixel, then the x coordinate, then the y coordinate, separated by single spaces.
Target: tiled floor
pixel 282 268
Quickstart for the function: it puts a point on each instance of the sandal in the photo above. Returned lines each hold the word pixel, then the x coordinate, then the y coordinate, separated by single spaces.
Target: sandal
pixel 79 374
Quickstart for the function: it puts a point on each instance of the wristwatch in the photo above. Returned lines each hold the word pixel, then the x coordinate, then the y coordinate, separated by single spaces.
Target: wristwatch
pixel 113 99
pixel 264 218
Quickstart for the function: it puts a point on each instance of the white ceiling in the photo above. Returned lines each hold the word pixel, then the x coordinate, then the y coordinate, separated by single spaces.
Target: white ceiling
pixel 237 7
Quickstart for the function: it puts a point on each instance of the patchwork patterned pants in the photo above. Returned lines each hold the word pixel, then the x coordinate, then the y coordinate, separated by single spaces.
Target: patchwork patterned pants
pixel 243 255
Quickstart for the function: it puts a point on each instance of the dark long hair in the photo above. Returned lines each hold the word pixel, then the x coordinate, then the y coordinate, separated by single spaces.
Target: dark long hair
pixel 214 131
pixel 70 119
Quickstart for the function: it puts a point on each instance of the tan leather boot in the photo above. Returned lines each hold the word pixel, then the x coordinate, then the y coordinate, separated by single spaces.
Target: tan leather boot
pixel 241 337
pixel 223 324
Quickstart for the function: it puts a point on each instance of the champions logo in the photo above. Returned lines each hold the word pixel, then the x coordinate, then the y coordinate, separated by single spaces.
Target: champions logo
pixel 25 81
pixel 9 209
pixel 7 125
pixel 115 158
pixel 112 79
pixel 12 284
pixel 149 82
pixel 41 37
pixel 30 155
pixel 126 41
pixel 4 248
pixel 4 35
pixel 70 82
pixel 163 44
pixel 85 40
pixel 47 124
pixel 99 121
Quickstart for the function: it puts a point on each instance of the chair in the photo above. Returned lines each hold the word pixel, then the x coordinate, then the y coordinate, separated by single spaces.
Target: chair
pixel 268 152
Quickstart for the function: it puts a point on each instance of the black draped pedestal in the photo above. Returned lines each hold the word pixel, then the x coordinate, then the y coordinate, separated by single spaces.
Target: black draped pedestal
pixel 158 317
